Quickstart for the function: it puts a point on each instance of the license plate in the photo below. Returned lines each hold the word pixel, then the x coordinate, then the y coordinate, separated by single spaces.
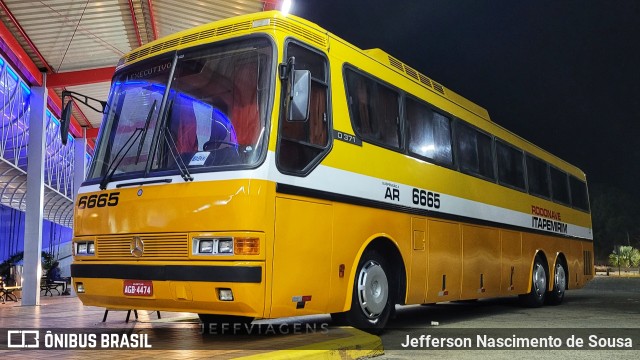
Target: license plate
pixel 138 287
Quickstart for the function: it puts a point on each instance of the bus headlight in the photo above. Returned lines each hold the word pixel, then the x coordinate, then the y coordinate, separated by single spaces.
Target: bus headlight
pixel 225 246
pixel 83 248
pixel 213 246
pixel 205 246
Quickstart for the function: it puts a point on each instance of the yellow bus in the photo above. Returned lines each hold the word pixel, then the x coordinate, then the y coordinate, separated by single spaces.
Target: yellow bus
pixel 262 167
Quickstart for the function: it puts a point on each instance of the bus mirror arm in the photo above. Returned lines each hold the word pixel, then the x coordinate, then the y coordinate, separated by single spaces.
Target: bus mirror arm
pixel 65 117
pixel 298 90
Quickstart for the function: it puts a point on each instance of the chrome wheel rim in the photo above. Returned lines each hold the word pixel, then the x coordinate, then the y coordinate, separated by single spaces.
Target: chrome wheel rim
pixel 560 279
pixel 539 280
pixel 373 289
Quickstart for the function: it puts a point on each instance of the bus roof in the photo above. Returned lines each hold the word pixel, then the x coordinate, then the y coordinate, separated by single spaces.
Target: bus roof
pixel 275 20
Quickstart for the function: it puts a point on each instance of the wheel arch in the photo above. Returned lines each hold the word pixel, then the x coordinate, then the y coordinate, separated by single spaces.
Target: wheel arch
pixel 388 248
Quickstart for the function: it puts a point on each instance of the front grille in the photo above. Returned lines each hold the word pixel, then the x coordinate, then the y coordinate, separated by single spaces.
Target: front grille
pixel 156 247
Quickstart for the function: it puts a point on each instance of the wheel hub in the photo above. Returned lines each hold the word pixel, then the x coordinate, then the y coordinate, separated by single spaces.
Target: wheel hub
pixel 373 289
pixel 560 279
pixel 539 280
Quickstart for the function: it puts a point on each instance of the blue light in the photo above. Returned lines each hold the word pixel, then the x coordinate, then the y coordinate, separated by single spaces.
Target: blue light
pixel 12 74
pixel 55 120
pixel 25 88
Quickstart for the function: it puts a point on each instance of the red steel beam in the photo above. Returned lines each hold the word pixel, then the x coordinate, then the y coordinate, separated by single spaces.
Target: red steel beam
pixel 21 61
pixel 92 133
pixel 81 77
pixel 33 47
pixel 153 20
pixel 135 22
pixel 18 58
pixel 271 5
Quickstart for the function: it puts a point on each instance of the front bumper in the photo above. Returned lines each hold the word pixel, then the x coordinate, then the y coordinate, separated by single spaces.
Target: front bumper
pixel 176 286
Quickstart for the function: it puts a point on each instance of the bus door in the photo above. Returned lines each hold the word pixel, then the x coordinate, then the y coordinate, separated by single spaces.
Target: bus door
pixel 303 228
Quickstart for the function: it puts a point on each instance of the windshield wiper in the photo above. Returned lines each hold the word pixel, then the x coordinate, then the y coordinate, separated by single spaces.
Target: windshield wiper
pixel 118 159
pixel 173 148
pixel 145 129
pixel 132 138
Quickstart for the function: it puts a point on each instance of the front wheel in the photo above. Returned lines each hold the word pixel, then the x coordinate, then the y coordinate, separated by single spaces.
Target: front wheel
pixel 535 298
pixel 555 296
pixel 371 302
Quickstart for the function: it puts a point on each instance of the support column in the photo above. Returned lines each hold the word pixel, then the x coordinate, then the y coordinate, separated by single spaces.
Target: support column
pixel 79 162
pixel 35 195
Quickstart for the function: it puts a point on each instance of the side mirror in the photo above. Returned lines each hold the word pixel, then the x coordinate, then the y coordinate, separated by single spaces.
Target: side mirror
pixel 65 119
pixel 300 90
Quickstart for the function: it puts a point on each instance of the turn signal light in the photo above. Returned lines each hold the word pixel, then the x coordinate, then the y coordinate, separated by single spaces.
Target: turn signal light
pixel 247 246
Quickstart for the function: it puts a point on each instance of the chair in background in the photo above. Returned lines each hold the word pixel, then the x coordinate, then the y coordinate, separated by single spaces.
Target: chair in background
pixel 47 286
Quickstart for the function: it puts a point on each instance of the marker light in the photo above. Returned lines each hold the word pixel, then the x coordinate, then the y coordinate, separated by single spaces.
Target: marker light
pixel 225 294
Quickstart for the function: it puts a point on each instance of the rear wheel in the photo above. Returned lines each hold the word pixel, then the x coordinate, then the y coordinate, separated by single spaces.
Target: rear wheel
pixel 371 302
pixel 535 298
pixel 555 296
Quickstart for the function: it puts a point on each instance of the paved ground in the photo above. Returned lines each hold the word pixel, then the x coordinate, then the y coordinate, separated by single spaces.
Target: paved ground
pixel 606 307
pixel 174 336
pixel 603 308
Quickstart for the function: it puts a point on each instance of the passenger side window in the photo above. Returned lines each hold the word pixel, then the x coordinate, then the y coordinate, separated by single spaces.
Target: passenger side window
pixel 374 110
pixel 474 151
pixel 559 186
pixel 579 196
pixel 510 165
pixel 302 144
pixel 538 177
pixel 429 133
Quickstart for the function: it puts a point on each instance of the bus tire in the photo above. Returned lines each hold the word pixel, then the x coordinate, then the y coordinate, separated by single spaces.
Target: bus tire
pixel 215 324
pixel 537 295
pixel 555 296
pixel 372 299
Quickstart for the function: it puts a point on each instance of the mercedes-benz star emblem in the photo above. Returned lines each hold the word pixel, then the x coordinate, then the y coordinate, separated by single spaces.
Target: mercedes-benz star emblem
pixel 137 246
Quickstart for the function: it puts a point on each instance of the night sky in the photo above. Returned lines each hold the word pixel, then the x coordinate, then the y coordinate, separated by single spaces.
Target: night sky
pixel 564 75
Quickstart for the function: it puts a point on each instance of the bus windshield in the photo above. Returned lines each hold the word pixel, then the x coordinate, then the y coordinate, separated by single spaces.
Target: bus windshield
pixel 210 115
